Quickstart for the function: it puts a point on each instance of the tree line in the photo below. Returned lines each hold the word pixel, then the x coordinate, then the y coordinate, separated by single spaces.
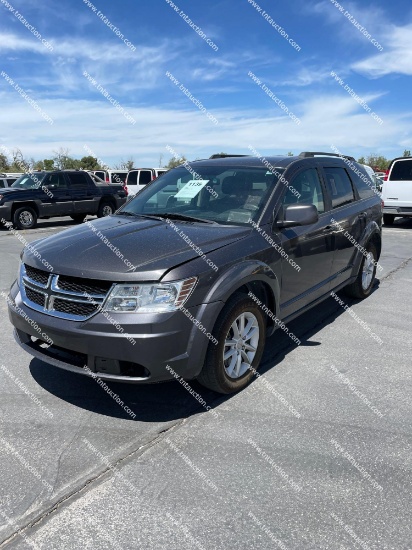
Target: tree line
pixel 61 160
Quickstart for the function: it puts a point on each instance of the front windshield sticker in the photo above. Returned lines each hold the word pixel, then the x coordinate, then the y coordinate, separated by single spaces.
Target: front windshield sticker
pixel 191 189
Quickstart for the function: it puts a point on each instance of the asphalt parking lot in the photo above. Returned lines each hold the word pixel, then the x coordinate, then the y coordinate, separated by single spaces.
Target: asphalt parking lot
pixel 77 471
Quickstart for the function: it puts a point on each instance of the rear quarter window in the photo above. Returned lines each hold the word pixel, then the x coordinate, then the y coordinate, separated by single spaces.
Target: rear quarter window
pixel 339 186
pixel 401 171
pixel 363 183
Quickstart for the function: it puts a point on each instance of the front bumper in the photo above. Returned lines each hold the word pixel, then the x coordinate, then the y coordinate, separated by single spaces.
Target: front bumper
pixel 5 212
pixel 97 348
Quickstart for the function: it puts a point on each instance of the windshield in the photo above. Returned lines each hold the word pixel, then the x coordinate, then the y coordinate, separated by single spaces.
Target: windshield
pixel 29 181
pixel 215 193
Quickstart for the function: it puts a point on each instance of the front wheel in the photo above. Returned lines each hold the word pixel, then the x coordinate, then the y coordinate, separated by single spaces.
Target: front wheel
pixel 105 209
pixel 362 287
pixel 25 218
pixel 240 331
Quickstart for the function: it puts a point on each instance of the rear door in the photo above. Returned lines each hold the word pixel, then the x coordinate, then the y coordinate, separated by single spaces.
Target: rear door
pixel 397 191
pixel 349 220
pixel 56 199
pixel 81 189
pixel 306 270
pixel 132 178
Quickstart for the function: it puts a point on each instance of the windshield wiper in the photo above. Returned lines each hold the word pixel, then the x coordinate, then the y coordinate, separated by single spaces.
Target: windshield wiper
pixel 183 217
pixel 135 214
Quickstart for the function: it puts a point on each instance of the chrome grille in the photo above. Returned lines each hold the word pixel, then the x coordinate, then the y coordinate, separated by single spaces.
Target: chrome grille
pixel 70 298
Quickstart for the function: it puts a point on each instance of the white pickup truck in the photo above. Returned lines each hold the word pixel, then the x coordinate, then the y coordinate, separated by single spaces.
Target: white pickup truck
pixel 397 190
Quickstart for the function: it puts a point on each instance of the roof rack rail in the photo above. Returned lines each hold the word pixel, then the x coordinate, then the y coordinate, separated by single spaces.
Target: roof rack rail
pixel 307 154
pixel 225 155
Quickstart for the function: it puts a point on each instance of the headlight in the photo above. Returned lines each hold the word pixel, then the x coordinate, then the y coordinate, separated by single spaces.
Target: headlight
pixel 148 298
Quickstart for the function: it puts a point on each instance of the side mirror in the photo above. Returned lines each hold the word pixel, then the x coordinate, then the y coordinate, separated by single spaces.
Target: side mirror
pixel 299 214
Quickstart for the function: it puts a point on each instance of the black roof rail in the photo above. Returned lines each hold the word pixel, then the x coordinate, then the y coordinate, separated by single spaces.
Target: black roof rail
pixel 307 154
pixel 225 155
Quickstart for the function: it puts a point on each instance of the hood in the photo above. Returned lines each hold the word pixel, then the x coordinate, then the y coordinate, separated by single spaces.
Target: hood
pixel 122 248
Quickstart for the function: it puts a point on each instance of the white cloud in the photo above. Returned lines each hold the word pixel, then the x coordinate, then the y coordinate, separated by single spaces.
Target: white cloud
pixel 325 120
pixel 396 57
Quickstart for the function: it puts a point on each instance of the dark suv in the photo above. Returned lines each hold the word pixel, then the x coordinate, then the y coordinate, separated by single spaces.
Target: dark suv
pixel 189 277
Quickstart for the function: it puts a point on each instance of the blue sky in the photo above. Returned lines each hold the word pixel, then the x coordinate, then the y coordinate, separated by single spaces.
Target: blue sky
pixel 246 115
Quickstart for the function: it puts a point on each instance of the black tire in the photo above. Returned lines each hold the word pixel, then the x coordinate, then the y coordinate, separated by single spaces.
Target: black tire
pixel 105 209
pixel 78 218
pixel 388 219
pixel 214 374
pixel 358 289
pixel 25 218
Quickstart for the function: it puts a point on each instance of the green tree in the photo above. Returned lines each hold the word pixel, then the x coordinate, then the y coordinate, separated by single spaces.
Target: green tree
pixel 175 161
pixel 62 159
pixel 407 153
pixel 377 162
pixel 4 163
pixel 48 164
pixel 362 160
pixel 89 163
pixel 290 154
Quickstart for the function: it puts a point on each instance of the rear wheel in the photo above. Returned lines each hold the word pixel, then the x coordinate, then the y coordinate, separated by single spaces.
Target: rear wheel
pixel 105 209
pixel 240 331
pixel 78 218
pixel 25 218
pixel 388 219
pixel 362 287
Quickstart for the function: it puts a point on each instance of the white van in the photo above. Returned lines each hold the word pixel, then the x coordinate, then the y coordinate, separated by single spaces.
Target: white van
pixel 397 190
pixel 139 178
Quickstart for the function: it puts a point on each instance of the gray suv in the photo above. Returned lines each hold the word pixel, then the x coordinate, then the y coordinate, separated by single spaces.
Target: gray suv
pixel 190 277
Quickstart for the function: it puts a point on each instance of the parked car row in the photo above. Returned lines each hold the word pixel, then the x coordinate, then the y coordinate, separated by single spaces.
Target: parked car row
pixel 134 179
pixel 6 180
pixel 397 190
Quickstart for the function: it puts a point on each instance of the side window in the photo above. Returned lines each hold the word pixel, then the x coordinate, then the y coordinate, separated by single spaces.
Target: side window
pixel 78 181
pixel 55 179
pixel 101 175
pixel 1 183
pixel 363 183
pixel 305 188
pixel 132 178
pixel 339 185
pixel 401 171
pixel 145 177
pixel 119 177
